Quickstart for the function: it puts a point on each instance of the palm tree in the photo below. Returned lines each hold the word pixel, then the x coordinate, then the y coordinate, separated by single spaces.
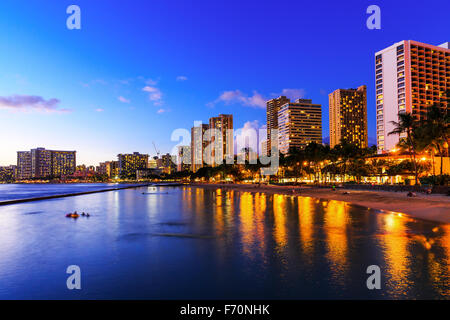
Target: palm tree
pixel 437 128
pixel 407 124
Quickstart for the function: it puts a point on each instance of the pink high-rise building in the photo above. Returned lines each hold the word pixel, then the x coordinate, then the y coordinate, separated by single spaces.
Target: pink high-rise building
pixel 410 77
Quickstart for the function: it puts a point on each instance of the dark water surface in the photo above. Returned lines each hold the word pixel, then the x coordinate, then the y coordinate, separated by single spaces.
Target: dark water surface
pixel 193 243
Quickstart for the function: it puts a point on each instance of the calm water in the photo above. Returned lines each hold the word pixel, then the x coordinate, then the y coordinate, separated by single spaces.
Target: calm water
pixel 24 191
pixel 193 243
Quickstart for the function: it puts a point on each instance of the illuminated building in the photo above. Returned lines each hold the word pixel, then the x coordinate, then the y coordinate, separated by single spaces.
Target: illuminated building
pixel 8 173
pixel 109 168
pixel 299 124
pixel 184 158
pixel 409 77
pixel 273 106
pixel 130 163
pixel 198 145
pixel 224 125
pixel 348 116
pixel 23 165
pixel 42 163
pixel 168 162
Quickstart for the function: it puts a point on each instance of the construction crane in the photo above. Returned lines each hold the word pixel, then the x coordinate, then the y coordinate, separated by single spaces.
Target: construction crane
pixel 157 151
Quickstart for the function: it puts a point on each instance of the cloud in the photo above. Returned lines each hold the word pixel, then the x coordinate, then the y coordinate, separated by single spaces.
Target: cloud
pixel 294 93
pixel 236 96
pixel 250 135
pixel 124 100
pixel 182 78
pixel 161 111
pixel 99 110
pixel 154 94
pixel 151 82
pixel 31 103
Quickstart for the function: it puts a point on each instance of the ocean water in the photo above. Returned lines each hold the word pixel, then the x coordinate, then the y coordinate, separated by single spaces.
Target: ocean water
pixel 192 243
pixel 24 191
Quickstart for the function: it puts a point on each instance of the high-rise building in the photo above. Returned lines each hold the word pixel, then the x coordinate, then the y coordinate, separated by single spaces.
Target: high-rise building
pixel 223 124
pixel 299 124
pixel 24 165
pixel 198 145
pixel 273 106
pixel 42 163
pixel 130 163
pixel 168 163
pixel 184 158
pixel 348 116
pixel 109 168
pixel 63 163
pixel 409 77
pixel 8 173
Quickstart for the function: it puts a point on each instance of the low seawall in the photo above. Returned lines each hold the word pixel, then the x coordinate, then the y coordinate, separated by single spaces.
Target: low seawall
pixel 15 201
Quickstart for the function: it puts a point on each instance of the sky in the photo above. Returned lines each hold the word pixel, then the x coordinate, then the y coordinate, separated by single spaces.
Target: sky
pixel 138 70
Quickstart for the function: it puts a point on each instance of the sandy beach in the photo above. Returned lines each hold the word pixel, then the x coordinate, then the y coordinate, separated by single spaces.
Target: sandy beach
pixel 429 207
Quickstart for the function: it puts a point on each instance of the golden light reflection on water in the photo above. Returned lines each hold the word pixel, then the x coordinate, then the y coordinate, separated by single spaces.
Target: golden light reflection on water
pixel 336 220
pixel 260 211
pixel 279 214
pixel 306 224
pixel 395 242
pixel 219 219
pixel 439 265
pixel 247 226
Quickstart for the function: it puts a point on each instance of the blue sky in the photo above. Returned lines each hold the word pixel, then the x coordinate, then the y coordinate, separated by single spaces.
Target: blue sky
pixel 137 70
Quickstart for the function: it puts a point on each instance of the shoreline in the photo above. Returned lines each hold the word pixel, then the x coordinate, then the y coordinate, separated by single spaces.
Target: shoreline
pixel 432 207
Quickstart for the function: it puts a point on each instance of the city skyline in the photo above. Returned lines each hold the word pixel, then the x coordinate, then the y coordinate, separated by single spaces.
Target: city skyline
pixel 50 97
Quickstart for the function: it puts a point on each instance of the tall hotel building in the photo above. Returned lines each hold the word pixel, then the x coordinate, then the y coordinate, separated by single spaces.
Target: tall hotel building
pixel 42 163
pixel 224 125
pixel 198 144
pixel 348 116
pixel 130 163
pixel 299 124
pixel 273 106
pixel 410 77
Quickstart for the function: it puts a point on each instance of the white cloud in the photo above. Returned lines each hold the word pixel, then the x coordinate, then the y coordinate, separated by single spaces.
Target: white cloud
pixel 294 93
pixel 182 78
pixel 151 82
pixel 31 103
pixel 250 135
pixel 161 111
pixel 124 100
pixel 99 110
pixel 154 94
pixel 236 96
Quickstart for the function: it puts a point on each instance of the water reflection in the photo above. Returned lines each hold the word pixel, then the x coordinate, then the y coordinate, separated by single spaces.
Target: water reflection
pixel 234 245
pixel 336 220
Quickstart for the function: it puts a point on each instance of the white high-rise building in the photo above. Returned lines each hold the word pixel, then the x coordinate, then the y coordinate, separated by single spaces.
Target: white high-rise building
pixel 409 77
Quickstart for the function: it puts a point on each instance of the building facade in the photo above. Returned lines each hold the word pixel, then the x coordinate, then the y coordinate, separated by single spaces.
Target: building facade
pixel 129 163
pixel 198 145
pixel 8 173
pixel 409 77
pixel 273 106
pixel 299 124
pixel 348 116
pixel 223 126
pixel 109 168
pixel 184 158
pixel 42 163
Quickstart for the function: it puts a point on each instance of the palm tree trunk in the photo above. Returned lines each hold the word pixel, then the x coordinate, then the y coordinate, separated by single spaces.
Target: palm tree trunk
pixel 414 156
pixel 442 157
